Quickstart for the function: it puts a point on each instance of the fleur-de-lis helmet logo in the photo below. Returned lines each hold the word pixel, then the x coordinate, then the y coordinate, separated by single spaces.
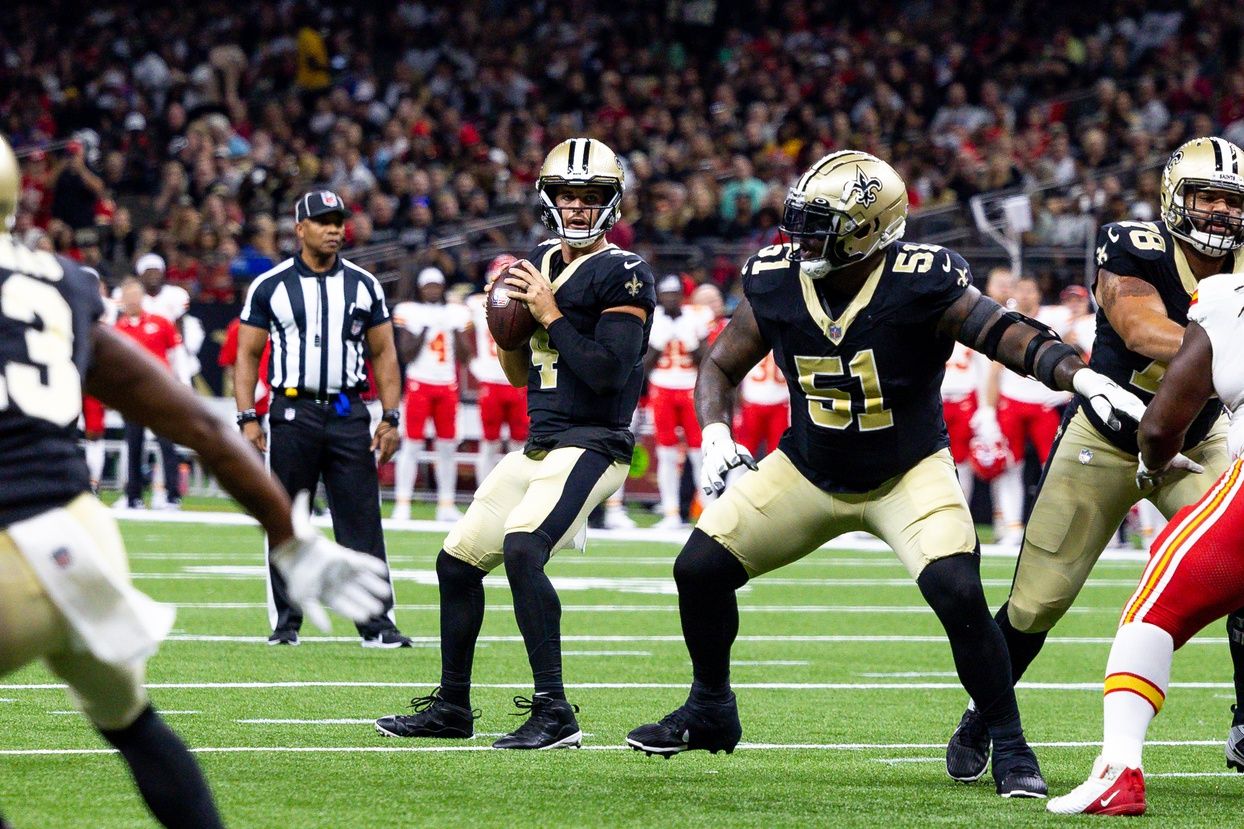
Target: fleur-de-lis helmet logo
pixel 865 188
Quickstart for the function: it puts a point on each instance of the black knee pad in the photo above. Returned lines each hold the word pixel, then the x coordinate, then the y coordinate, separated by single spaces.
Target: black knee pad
pixel 524 550
pixel 705 563
pixel 454 574
pixel 953 584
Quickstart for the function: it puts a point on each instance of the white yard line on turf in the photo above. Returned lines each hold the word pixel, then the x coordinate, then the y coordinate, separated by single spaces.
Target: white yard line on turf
pixel 647 535
pixel 660 608
pixel 596 686
pixel 433 641
pixel 663 585
pixel 163 712
pixel 400 748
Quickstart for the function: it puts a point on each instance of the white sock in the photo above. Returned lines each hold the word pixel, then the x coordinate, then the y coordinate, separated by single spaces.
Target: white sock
pixel 696 457
pixel 446 471
pixel 669 470
pixel 95 460
pixel 486 459
pixel 1008 499
pixel 1137 675
pixel 405 469
pixel 967 479
pixel 1151 521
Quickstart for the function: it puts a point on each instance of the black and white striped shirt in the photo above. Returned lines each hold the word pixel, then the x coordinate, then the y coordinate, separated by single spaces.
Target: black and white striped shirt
pixel 318 323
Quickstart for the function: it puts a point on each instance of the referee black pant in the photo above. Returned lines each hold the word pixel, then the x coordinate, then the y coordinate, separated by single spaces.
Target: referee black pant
pixel 310 441
pixel 136 452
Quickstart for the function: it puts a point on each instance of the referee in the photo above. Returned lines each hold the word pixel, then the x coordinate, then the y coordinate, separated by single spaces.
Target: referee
pixel 325 315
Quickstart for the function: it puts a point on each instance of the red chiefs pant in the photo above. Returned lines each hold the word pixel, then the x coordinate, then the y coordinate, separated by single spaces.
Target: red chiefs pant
pixel 502 403
pixel 92 417
pixel 1023 423
pixel 760 423
pixel 672 409
pixel 1195 573
pixel 958 416
pixel 424 400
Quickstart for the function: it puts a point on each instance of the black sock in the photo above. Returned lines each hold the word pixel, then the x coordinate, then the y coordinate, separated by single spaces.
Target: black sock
pixel 167 776
pixel 952 587
pixel 1023 647
pixel 1235 641
pixel 537 610
pixel 707 575
pixel 462 615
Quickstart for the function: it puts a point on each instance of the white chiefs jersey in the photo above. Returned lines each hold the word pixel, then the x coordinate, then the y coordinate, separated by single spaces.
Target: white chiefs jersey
pixel 437 362
pixel 1218 307
pixel 485 365
pixel 171 302
pixel 1026 390
pixel 764 385
pixel 965 373
pixel 677 338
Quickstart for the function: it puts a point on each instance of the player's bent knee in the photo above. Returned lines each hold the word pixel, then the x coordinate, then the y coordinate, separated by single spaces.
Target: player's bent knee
pixel 952 584
pixel 1030 616
pixel 705 562
pixel 454 573
pixel 521 551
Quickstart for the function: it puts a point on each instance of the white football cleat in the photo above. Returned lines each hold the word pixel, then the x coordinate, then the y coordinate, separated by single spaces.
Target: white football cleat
pixel 401 511
pixel 670 522
pixel 1112 789
pixel 617 519
pixel 447 512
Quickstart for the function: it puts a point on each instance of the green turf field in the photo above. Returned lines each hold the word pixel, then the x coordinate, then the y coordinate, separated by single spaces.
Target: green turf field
pixel 845 688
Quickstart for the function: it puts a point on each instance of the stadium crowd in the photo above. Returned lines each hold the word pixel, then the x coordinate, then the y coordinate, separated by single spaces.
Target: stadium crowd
pixel 191 129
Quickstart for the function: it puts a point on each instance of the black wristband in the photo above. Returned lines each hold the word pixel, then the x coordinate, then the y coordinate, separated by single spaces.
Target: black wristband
pixel 393 417
pixel 248 416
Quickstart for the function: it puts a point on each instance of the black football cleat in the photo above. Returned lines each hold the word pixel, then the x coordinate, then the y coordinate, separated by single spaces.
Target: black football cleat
pixel 388 640
pixel 283 636
pixel 967 753
pixel 1016 772
pixel 1235 740
pixel 550 725
pixel 695 726
pixel 433 717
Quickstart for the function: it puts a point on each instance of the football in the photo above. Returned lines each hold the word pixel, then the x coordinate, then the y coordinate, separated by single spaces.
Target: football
pixel 509 320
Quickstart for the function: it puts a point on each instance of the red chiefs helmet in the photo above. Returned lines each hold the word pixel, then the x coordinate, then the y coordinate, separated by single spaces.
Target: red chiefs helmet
pixel 989 458
pixel 498 266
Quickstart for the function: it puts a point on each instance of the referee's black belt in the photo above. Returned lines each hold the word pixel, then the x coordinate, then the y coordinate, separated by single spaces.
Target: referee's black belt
pixel 315 396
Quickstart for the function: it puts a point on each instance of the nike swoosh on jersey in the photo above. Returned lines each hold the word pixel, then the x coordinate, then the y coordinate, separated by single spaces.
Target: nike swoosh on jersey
pixel 1114 237
pixel 946 265
pixel 630 265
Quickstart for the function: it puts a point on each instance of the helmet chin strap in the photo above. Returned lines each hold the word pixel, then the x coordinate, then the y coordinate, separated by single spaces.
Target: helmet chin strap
pixel 582 243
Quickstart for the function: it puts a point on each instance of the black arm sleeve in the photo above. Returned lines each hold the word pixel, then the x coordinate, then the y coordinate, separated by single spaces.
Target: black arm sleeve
pixel 605 360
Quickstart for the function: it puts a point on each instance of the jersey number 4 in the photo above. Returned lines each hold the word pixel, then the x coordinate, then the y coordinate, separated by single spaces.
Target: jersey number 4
pixel 48 387
pixel 830 408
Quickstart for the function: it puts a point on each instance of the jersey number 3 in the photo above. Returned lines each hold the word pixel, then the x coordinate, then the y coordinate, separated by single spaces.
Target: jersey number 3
pixel 830 408
pixel 48 387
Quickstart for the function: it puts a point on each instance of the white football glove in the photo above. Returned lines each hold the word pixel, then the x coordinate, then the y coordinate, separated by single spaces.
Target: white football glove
pixel 1147 479
pixel 984 424
pixel 319 572
pixel 720 454
pixel 1108 398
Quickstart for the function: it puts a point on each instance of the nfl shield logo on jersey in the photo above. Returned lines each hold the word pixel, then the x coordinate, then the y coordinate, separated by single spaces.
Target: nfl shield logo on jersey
pixel 356 327
pixel 62 557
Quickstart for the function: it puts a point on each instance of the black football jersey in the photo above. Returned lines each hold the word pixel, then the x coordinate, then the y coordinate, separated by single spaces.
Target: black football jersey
pixel 1144 250
pixel 865 385
pixel 47 308
pixel 564 410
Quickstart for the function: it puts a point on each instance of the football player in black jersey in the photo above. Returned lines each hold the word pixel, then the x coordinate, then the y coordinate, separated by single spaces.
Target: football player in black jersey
pixel 65 591
pixel 861 324
pixel 583 372
pixel 1147 272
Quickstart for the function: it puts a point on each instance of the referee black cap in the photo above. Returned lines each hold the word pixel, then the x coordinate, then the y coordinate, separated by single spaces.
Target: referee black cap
pixel 319 203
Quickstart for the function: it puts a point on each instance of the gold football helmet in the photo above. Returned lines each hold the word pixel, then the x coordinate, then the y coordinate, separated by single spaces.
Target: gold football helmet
pixel 581 162
pixel 10 186
pixel 1205 164
pixel 846 207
